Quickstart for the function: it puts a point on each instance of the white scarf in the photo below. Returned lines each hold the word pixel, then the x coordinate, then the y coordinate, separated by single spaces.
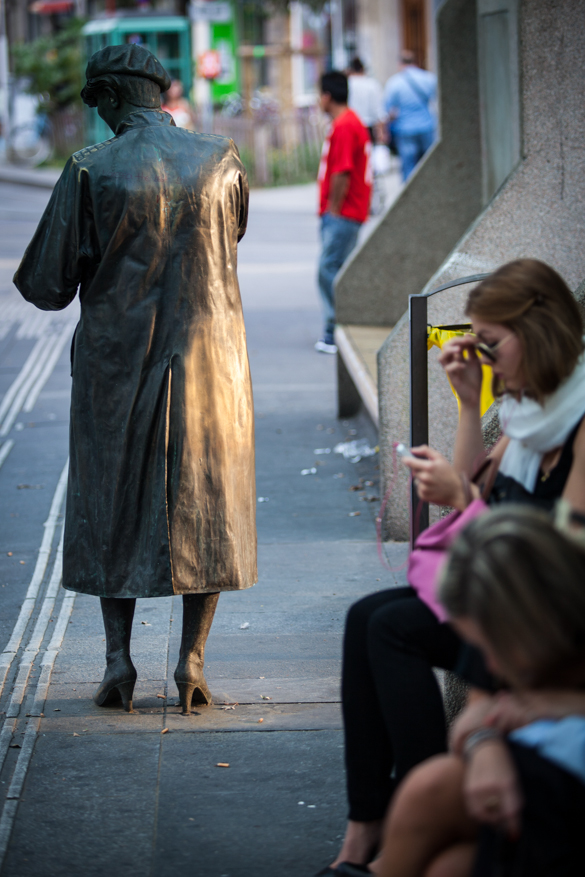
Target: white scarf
pixel 535 429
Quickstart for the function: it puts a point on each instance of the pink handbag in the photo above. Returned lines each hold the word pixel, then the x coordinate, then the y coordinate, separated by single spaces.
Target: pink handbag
pixel 430 550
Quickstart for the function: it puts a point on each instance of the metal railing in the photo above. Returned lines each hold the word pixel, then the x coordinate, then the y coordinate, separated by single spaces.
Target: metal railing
pixel 419 388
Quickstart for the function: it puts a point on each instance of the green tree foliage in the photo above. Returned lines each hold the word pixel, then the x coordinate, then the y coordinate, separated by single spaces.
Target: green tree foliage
pixel 53 65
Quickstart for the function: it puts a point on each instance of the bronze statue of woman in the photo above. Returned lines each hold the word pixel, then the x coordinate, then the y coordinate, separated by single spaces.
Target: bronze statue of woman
pixel 161 494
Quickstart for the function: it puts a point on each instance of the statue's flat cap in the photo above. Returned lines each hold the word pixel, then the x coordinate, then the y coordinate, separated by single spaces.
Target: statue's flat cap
pixel 130 60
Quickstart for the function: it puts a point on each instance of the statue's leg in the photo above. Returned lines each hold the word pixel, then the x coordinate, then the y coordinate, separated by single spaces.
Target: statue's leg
pixel 120 677
pixel 198 612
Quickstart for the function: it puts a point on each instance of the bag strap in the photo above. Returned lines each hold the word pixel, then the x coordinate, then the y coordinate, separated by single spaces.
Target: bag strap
pixel 489 469
pixel 416 88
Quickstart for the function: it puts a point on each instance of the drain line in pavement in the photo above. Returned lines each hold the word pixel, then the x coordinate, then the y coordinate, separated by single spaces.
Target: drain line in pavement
pixel 32 729
pixel 40 693
pixel 25 666
pixel 33 726
pixel 36 638
pixel 50 525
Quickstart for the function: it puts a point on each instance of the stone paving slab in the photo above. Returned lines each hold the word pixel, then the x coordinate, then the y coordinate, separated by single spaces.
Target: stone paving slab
pixel 88 809
pixel 268 774
pixel 100 793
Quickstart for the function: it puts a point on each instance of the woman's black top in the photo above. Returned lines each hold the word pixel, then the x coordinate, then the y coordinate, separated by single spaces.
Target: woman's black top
pixel 549 487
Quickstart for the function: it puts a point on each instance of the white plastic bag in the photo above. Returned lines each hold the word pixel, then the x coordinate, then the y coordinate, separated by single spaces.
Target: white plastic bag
pixel 381 163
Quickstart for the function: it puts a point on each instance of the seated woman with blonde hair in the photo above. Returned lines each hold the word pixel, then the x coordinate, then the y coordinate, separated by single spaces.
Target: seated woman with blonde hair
pixel 510 799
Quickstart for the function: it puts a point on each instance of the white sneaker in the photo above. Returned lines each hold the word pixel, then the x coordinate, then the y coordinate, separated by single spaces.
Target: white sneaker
pixel 323 347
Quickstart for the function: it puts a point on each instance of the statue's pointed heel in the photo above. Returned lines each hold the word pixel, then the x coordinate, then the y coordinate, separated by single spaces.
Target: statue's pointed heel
pixel 186 690
pixel 126 691
pixel 193 693
pixel 114 692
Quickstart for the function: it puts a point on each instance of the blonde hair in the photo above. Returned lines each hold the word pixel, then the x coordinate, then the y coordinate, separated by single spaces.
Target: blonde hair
pixel 535 303
pixel 523 583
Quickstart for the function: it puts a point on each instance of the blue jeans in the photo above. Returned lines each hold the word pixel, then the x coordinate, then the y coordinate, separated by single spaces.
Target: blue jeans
pixel 338 236
pixel 411 148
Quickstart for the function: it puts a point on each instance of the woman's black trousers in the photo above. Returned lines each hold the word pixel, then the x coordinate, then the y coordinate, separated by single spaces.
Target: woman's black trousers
pixel 392 705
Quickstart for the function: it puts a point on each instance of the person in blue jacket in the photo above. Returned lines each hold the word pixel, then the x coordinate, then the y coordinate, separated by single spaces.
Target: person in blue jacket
pixel 408 96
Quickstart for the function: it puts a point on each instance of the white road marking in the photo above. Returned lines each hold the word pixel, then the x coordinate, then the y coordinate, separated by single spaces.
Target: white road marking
pixel 33 726
pixel 26 662
pixel 36 638
pixel 48 370
pixel 52 651
pixel 37 377
pixel 50 525
pixel 35 324
pixel 6 822
pixel 5 450
pixel 24 757
pixel 38 633
pixel 12 391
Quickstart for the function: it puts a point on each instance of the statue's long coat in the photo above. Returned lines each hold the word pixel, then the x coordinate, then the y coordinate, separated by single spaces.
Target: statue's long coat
pixel 161 496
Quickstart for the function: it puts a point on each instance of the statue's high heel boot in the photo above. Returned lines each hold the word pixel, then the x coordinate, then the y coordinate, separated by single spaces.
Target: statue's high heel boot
pixel 198 612
pixel 120 676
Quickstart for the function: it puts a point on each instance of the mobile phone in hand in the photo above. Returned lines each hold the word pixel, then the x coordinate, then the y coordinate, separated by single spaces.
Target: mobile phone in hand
pixel 403 451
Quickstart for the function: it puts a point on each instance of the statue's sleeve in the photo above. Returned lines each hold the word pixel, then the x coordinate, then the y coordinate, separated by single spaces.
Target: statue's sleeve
pixel 242 195
pixel 60 250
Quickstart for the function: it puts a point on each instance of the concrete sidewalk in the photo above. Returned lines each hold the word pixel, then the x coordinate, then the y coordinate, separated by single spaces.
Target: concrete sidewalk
pixel 108 794
pixel 41 178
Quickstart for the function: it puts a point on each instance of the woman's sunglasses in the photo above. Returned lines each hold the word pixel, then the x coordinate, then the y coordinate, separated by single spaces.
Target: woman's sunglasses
pixel 490 351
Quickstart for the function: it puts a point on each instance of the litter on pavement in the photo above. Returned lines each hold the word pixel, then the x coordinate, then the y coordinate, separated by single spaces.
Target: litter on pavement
pixel 355 450
pixel 311 471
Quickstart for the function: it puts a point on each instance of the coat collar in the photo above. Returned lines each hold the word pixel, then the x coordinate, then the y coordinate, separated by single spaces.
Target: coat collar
pixel 143 118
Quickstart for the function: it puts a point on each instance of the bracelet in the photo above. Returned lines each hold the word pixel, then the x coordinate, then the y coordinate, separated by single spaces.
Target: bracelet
pixel 477 737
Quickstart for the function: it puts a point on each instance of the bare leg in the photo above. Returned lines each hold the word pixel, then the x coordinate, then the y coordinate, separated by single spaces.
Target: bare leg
pixel 120 677
pixel 457 861
pixel 198 612
pixel 361 842
pixel 427 818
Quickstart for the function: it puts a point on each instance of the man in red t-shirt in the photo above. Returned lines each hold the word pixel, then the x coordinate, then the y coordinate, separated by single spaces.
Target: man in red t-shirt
pixel 345 187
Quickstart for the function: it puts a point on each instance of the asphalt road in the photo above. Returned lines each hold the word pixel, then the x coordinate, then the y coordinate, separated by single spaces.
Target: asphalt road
pixel 89 791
